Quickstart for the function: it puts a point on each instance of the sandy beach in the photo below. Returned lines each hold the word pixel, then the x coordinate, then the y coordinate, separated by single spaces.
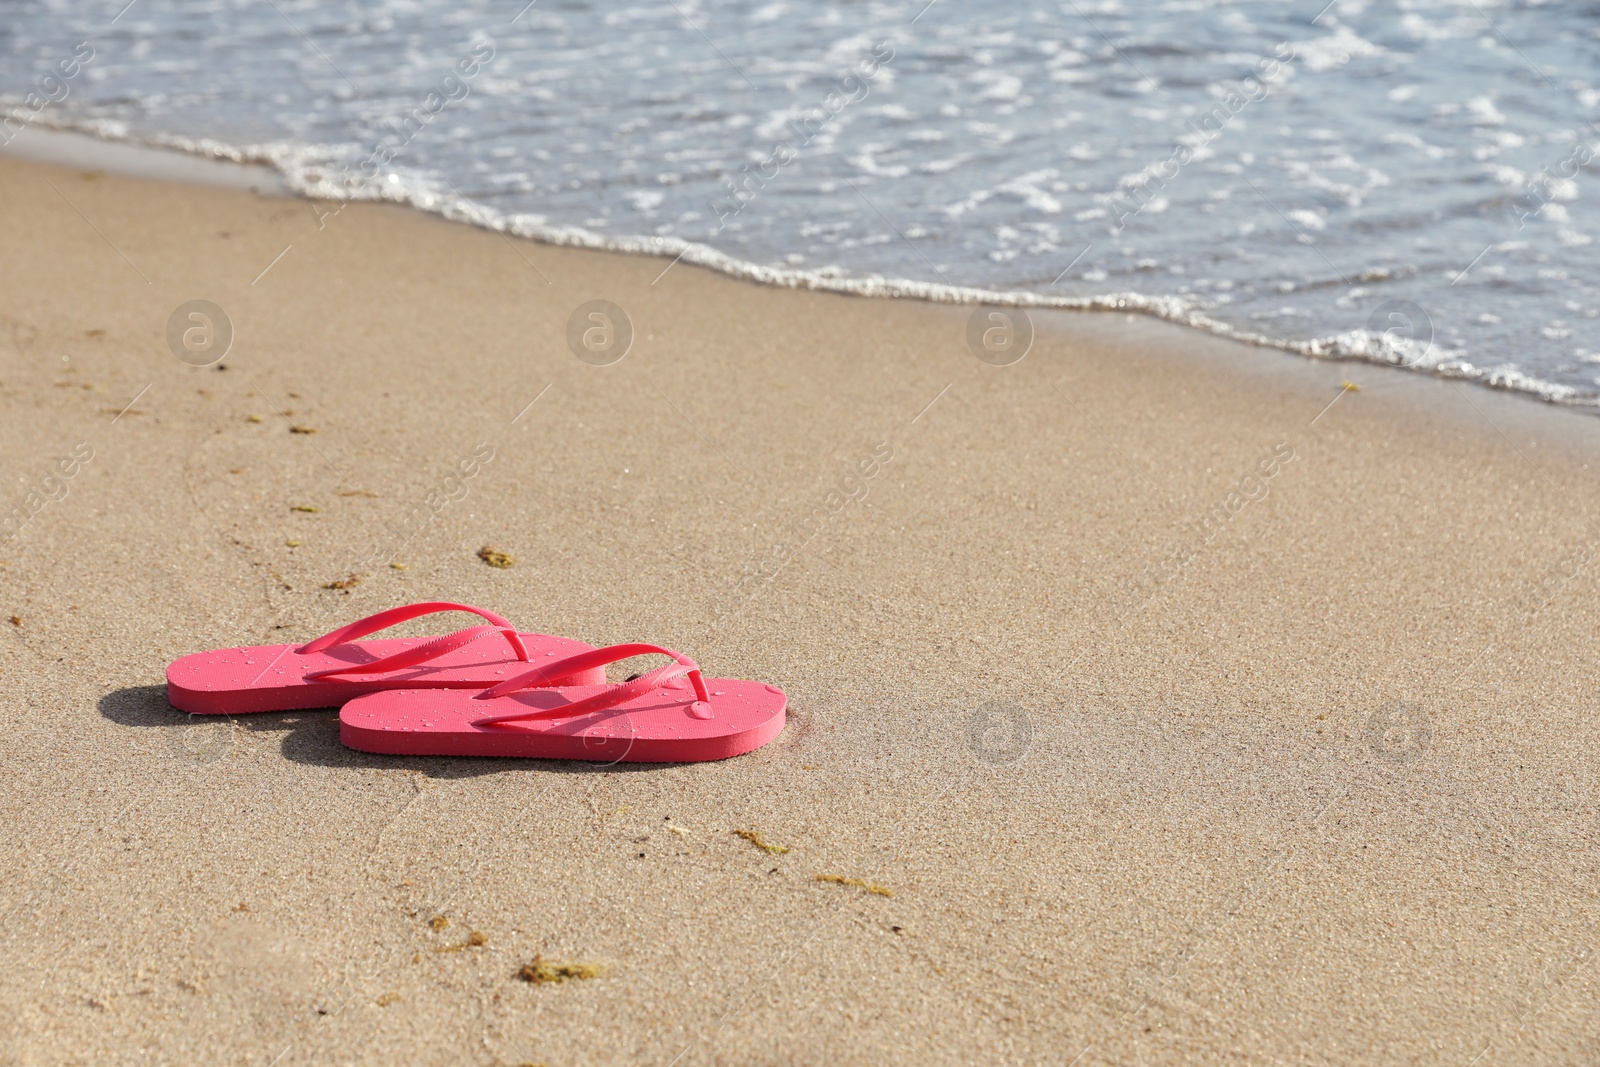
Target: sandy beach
pixel 1170 700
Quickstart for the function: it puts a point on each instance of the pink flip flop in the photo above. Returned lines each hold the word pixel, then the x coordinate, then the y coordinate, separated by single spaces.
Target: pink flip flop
pixel 335 667
pixel 657 717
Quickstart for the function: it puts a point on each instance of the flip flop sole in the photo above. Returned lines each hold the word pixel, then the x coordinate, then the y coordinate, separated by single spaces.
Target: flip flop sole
pixel 656 728
pixel 256 678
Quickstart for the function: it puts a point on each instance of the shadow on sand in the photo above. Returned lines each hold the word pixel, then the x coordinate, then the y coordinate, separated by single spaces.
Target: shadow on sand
pixel 311 737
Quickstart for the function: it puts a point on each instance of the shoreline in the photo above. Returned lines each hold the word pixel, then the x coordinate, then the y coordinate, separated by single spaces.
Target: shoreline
pixel 84 151
pixel 207 164
pixel 1190 704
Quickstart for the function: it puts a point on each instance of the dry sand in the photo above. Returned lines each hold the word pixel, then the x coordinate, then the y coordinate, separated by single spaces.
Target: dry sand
pixel 1317 784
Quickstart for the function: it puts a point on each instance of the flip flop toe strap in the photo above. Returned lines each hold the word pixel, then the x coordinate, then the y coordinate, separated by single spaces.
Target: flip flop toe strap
pixel 412 657
pixel 612 695
pixel 395 616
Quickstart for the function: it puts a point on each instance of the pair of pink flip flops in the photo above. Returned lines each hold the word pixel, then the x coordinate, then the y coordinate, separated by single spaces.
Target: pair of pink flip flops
pixel 459 695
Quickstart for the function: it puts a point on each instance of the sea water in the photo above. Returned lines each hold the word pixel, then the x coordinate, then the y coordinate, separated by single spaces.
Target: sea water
pixel 1406 182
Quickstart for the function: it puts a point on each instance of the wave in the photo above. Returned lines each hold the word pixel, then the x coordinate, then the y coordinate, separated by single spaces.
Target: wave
pixel 314 172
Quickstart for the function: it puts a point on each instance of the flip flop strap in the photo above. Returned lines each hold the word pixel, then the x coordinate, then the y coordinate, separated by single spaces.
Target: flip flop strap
pixel 411 657
pixel 395 616
pixel 611 697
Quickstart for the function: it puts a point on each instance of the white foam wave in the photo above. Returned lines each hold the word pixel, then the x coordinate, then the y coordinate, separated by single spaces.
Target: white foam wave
pixel 315 172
